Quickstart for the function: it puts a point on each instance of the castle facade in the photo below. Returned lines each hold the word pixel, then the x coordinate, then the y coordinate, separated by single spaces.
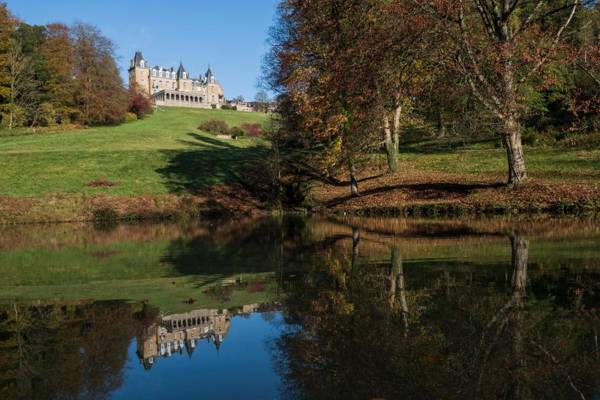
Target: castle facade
pixel 175 88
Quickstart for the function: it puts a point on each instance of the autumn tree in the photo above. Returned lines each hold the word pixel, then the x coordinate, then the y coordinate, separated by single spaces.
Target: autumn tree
pixel 502 47
pixel 100 94
pixel 392 64
pixel 58 52
pixel 324 124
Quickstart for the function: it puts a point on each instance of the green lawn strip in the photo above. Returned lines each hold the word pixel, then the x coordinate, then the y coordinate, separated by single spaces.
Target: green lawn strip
pixel 142 157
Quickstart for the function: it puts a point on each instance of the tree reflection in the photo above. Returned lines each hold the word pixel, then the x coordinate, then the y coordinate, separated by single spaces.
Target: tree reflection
pixel 63 350
pixel 363 330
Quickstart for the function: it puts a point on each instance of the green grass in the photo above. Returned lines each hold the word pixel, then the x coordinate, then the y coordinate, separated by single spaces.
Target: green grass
pixel 554 164
pixel 164 153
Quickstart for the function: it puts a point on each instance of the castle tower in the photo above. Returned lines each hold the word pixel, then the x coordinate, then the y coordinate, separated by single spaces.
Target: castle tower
pixel 184 83
pixel 139 72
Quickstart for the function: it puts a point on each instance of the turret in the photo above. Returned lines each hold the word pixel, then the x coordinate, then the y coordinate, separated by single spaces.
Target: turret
pixel 139 61
pixel 210 77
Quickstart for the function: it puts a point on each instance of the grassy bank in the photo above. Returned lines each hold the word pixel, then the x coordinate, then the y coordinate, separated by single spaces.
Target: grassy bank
pixel 435 180
pixel 163 167
pixel 140 169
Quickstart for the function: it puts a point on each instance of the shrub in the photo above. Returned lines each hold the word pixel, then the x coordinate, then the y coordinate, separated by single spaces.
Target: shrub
pixel 215 126
pixel 47 115
pixel 19 116
pixel 130 117
pixel 237 132
pixel 214 106
pixel 252 130
pixel 139 104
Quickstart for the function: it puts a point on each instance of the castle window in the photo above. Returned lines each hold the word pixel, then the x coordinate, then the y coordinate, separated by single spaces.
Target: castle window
pixel 142 64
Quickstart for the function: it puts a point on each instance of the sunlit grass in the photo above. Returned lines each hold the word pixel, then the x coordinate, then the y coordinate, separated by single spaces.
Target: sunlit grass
pixel 130 155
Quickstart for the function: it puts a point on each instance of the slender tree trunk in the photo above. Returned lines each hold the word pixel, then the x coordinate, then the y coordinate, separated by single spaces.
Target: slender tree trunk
pixel 391 154
pixel 441 129
pixel 353 181
pixel 396 136
pixel 392 139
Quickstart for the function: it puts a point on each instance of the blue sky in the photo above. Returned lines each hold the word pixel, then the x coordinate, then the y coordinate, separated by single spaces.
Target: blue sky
pixel 228 34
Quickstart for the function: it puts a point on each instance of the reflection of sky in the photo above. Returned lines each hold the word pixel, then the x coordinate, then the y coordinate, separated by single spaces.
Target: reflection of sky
pixel 242 369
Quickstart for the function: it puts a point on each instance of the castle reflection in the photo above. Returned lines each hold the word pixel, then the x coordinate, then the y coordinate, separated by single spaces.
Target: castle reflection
pixel 176 333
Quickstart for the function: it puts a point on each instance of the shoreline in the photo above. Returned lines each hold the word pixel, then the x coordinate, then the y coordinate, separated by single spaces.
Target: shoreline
pixel 112 209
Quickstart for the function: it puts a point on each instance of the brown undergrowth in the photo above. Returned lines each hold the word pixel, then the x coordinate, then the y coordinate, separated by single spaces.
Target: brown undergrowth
pixel 426 193
pixel 217 201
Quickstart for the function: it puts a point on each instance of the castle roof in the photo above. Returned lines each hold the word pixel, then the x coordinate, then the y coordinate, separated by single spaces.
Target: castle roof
pixel 137 58
pixel 209 73
pixel 180 71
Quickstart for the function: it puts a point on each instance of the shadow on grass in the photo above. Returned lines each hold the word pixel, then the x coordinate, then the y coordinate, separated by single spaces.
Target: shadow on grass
pixel 423 190
pixel 444 146
pixel 208 162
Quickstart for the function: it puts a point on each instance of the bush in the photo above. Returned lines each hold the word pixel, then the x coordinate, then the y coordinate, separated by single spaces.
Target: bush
pixel 237 132
pixel 215 126
pixel 214 106
pixel 139 104
pixel 228 107
pixel 47 115
pixel 19 116
pixel 130 117
pixel 252 130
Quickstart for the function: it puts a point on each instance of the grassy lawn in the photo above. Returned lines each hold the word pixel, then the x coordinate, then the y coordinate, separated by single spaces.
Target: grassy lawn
pixel 164 153
pixel 554 164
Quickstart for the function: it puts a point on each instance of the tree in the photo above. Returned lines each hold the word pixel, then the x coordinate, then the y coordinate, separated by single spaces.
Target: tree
pixel 100 94
pixel 21 86
pixel 501 48
pixel 8 25
pixel 324 124
pixel 59 55
pixel 261 101
pixel 394 62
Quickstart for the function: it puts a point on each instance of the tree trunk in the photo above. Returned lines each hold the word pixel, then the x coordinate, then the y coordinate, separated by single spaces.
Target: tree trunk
pixel 441 129
pixel 353 181
pixel 390 151
pixel 512 127
pixel 514 153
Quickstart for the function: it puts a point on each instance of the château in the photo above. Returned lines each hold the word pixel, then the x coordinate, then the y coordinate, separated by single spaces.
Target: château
pixel 175 88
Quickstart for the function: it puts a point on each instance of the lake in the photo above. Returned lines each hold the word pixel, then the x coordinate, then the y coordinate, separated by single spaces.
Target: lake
pixel 301 308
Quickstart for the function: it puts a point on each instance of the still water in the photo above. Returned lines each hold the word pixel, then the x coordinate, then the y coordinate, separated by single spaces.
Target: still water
pixel 297 308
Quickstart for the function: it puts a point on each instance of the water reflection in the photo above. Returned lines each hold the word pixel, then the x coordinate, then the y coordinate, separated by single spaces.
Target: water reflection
pixel 307 309
pixel 388 329
pixel 178 333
